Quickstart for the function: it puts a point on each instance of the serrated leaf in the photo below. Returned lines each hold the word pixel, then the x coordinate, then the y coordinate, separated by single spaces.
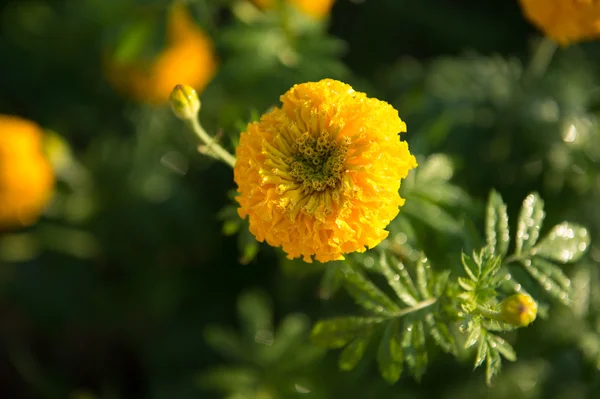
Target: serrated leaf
pixel 366 294
pixel 548 277
pixel 390 357
pixel 441 281
pixel 493 365
pixel 471 268
pixel 566 242
pixel 415 353
pixel 505 349
pixel 474 335
pixel 467 285
pixel 399 279
pixel 353 352
pixel 440 333
pixel 530 221
pixel 337 332
pixel 482 353
pixel 496 225
pixel 423 269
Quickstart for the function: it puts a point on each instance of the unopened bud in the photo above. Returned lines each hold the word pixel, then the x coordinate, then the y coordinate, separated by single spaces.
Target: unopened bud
pixel 519 310
pixel 184 102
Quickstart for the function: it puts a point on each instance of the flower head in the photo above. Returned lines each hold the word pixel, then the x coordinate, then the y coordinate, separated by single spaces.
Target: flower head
pixel 188 58
pixel 26 177
pixel 519 310
pixel 320 175
pixel 565 21
pixel 317 9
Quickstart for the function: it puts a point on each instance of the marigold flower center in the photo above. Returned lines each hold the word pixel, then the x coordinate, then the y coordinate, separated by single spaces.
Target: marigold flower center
pixel 318 164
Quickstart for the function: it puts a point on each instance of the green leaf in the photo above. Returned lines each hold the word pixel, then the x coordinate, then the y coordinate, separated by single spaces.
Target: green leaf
pixel 502 346
pixel 398 278
pixel 496 225
pixel 229 379
pixel 337 332
pixel 225 341
pixel 475 333
pixel 472 268
pixel 564 243
pixel 415 353
pixel 390 357
pixel 550 277
pixel 419 366
pixel 353 352
pixel 432 215
pixel 493 365
pixel 435 168
pixel 366 294
pixel 440 333
pixel 331 281
pixel 482 353
pixel 529 223
pixel 423 276
pixel 255 312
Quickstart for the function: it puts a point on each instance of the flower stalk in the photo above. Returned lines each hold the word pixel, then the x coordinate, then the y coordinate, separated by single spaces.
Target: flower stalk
pixel 186 105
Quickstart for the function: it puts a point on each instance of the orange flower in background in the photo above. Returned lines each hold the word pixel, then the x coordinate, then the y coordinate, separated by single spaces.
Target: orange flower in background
pixel 320 175
pixel 315 8
pixel 565 21
pixel 188 58
pixel 26 176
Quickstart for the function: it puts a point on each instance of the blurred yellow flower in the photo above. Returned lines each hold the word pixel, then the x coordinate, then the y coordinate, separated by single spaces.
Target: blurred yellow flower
pixel 188 58
pixel 565 21
pixel 320 175
pixel 315 8
pixel 26 176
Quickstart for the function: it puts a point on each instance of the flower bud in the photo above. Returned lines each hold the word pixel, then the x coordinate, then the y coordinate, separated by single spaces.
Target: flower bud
pixel 184 102
pixel 519 310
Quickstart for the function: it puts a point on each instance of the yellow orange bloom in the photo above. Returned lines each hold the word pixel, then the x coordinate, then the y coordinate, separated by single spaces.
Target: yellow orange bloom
pixel 320 175
pixel 188 58
pixel 315 8
pixel 565 21
pixel 26 177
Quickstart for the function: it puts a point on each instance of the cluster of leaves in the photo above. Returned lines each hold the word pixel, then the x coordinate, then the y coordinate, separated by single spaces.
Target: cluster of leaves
pixel 271 361
pixel 431 305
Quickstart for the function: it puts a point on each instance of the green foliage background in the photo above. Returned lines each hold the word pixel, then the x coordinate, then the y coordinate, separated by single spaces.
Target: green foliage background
pixel 140 282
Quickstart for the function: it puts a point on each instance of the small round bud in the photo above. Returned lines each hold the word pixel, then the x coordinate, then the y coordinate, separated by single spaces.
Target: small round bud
pixel 184 102
pixel 519 310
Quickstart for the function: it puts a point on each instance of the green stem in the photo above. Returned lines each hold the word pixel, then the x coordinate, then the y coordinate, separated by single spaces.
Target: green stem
pixel 542 57
pixel 421 305
pixel 490 314
pixel 210 143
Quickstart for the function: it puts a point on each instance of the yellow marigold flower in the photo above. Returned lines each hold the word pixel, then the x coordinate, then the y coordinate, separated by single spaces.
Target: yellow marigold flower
pixel 317 9
pixel 565 21
pixel 26 177
pixel 188 58
pixel 519 310
pixel 320 175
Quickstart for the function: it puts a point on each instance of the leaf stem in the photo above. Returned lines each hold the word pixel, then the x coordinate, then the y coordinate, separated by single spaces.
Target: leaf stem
pixel 421 305
pixel 490 314
pixel 211 144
